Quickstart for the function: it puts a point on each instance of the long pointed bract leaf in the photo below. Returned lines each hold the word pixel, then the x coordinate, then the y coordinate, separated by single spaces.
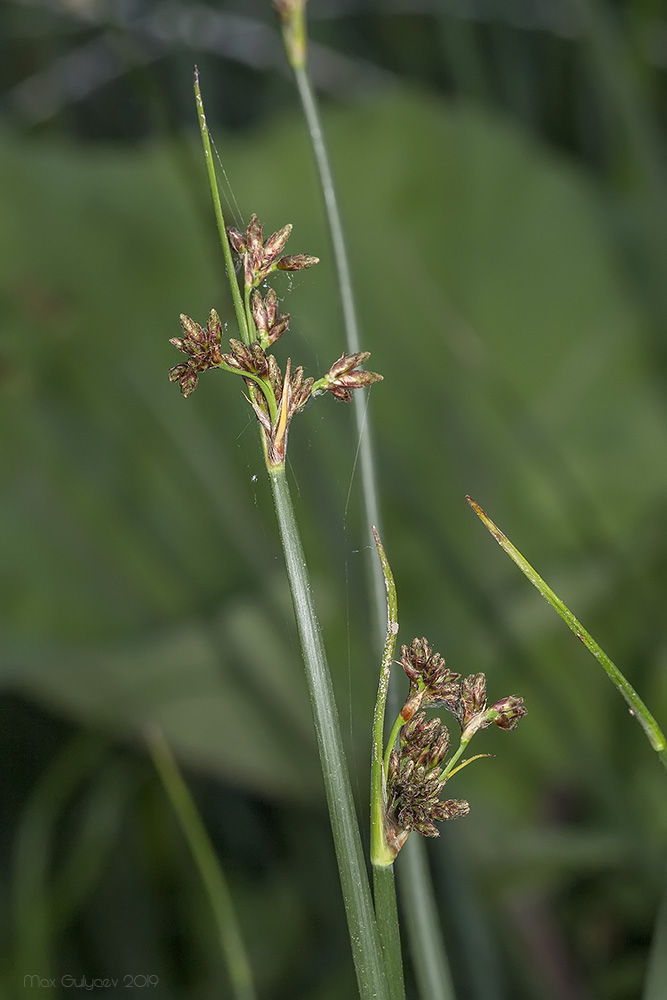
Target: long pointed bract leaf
pixel 637 707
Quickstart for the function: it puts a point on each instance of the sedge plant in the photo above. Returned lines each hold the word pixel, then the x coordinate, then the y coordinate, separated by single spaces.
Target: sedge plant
pixel 410 768
pixel 276 398
pixel 408 774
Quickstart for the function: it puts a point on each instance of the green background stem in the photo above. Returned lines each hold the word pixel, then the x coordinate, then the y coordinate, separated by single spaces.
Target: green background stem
pixel 420 888
pixel 637 707
pixel 350 323
pixel 429 958
pixel 211 873
pixel 364 936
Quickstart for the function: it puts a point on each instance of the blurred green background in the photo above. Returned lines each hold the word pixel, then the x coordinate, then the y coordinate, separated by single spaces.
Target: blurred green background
pixel 500 165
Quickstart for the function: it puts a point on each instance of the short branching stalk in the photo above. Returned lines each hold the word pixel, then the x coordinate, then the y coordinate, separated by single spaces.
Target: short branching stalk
pixel 637 708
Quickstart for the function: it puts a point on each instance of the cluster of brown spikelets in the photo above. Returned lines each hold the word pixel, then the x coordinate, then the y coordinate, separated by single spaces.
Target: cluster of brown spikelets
pixel 275 397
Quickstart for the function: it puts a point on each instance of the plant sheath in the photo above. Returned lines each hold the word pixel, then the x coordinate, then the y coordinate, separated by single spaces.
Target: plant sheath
pixel 382 857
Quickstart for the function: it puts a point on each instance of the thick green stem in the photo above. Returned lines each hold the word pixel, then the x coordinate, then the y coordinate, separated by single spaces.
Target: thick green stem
pixel 638 709
pixel 384 891
pixel 212 876
pixel 366 948
pixel 219 217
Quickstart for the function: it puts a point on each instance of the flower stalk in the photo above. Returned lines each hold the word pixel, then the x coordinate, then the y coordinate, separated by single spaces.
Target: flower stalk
pixel 275 399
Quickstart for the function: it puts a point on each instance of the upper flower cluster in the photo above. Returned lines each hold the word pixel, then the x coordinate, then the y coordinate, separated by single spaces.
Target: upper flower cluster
pixel 262 256
pixel 274 397
pixel 433 684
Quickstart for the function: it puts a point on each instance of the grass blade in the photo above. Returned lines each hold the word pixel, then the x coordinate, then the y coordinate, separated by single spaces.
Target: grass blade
pixel 208 865
pixel 637 707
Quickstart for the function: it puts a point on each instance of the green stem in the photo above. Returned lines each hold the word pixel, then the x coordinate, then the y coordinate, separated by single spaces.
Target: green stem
pixel 637 707
pixel 294 34
pixel 350 321
pixel 446 771
pixel 219 217
pixel 212 876
pixel 366 948
pixel 31 891
pixel 384 891
pixel 429 958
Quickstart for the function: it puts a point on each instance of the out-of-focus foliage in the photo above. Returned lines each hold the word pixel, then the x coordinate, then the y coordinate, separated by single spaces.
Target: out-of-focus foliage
pixel 512 297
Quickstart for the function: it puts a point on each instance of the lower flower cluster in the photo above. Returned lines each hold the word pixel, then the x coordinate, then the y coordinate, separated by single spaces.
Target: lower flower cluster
pixel 418 769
